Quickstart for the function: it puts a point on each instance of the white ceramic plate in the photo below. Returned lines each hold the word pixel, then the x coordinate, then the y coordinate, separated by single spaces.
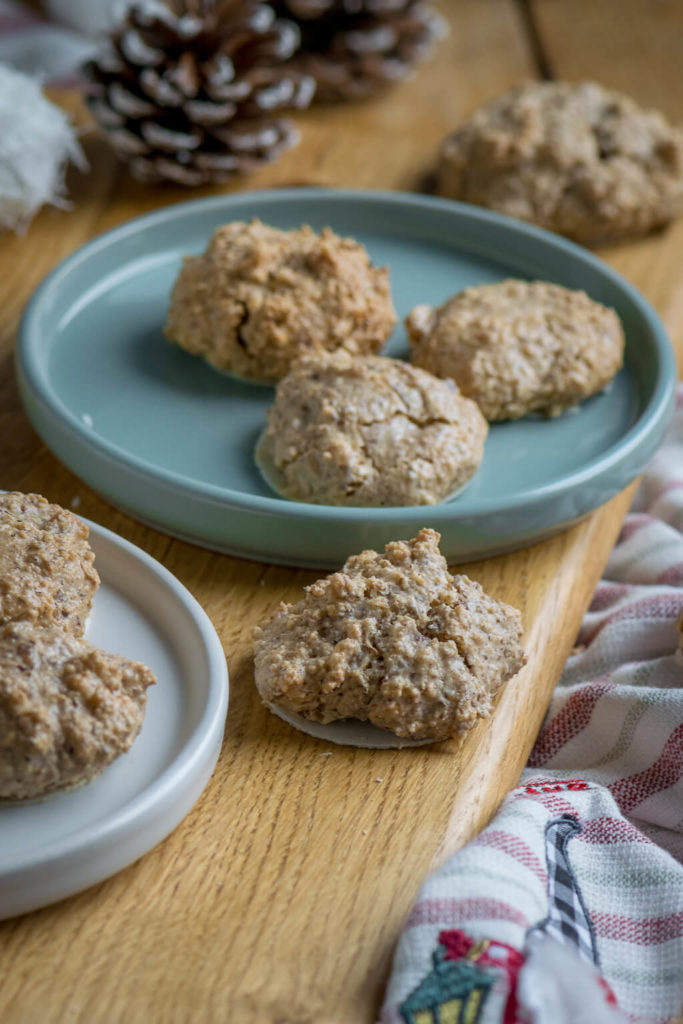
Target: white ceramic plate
pixel 61 846
pixel 350 732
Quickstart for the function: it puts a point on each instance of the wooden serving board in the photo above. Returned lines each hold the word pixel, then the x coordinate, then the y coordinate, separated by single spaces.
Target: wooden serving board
pixel 280 897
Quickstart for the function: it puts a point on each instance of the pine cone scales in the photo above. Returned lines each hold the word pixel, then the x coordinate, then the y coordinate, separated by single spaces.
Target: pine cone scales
pixel 194 99
pixel 354 47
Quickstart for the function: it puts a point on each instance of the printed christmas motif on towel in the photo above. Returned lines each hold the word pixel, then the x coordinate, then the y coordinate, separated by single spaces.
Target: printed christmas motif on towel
pixel 466 971
pixel 455 990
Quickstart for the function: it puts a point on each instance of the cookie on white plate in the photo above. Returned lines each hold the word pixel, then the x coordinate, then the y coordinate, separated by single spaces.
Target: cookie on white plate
pixel 67 709
pixel 47 570
pixel 392 639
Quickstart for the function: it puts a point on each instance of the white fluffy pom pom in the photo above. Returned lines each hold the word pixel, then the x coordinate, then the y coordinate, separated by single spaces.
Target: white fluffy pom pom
pixel 36 143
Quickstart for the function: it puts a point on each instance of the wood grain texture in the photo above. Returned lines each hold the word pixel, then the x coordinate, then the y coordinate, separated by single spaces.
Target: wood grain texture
pixel 631 45
pixel 279 898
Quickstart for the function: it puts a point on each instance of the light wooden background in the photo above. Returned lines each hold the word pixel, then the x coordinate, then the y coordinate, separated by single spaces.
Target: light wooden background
pixel 280 897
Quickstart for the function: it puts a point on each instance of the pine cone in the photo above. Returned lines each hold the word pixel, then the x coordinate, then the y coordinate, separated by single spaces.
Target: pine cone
pixel 192 98
pixel 355 47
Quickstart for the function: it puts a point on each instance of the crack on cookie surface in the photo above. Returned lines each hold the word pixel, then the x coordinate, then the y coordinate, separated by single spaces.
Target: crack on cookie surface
pixel 342 432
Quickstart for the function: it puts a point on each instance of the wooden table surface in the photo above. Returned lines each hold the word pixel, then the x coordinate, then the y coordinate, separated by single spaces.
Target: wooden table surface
pixel 278 900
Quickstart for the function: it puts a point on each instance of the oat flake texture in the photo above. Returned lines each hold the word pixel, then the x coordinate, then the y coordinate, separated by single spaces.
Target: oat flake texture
pixel 519 347
pixel 393 639
pixel 67 709
pixel 47 567
pixel 260 298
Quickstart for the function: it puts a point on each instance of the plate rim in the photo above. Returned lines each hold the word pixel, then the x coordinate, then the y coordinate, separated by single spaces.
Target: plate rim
pixel 189 762
pixel 34 377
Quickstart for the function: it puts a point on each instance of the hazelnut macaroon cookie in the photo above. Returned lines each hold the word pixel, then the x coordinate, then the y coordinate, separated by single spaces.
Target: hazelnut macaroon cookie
pixel 259 298
pixel 47 571
pixel 519 347
pixel 67 710
pixel 369 432
pixel 576 158
pixel 392 639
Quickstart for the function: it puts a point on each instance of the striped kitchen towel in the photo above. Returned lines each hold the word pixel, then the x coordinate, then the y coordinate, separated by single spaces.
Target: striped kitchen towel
pixel 568 907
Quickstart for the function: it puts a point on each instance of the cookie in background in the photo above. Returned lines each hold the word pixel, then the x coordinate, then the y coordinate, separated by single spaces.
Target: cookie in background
pixel 576 158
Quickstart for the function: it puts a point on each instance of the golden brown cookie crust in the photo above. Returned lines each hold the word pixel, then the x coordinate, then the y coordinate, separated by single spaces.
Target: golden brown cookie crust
pixel 369 432
pixel 47 571
pixel 517 347
pixel 259 298
pixel 393 639
pixel 579 159
pixel 67 710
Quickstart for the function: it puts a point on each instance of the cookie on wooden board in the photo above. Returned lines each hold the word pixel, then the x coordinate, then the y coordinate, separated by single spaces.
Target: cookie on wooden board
pixel 392 639
pixel 576 158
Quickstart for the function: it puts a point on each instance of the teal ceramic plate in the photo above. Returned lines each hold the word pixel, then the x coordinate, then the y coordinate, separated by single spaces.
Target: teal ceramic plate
pixel 163 436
